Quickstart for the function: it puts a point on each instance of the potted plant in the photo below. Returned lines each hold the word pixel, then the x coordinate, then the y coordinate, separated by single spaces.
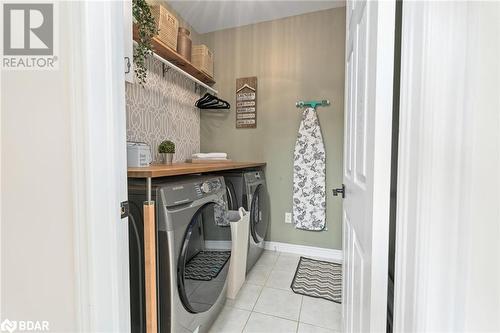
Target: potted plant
pixel 167 150
pixel 147 29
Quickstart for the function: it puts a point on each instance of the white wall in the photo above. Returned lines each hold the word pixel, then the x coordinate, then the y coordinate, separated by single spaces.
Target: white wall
pixel 37 255
pixel 289 65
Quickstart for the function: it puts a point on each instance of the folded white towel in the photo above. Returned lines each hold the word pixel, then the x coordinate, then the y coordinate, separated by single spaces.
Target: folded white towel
pixel 210 155
pixel 210 159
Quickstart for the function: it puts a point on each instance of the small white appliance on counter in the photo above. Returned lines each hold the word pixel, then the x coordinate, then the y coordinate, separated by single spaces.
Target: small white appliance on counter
pixel 138 154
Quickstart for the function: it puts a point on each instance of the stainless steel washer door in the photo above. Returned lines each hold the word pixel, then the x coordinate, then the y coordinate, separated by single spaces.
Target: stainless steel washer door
pixel 202 266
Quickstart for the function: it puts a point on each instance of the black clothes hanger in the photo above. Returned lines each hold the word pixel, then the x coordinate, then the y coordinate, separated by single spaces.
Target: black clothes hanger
pixel 205 98
pixel 215 104
pixel 218 104
pixel 209 101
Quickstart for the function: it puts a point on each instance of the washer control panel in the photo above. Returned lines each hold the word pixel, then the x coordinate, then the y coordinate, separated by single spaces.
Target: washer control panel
pixel 182 192
pixel 211 185
pixel 208 186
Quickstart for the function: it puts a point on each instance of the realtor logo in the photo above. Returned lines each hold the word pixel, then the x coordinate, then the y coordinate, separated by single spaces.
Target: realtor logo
pixel 29 36
pixel 29 29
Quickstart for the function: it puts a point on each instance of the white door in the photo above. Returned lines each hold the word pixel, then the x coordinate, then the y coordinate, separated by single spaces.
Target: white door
pixel 367 156
pixel 128 43
pixel 100 165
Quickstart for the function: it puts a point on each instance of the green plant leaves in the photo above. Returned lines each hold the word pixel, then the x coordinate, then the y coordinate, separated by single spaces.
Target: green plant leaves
pixel 147 30
pixel 166 147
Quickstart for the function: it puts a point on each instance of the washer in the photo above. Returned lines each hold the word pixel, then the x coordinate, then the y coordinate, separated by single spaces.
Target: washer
pixel 193 251
pixel 248 189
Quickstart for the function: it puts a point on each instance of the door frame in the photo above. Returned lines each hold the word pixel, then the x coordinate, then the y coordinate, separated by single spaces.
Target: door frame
pixel 444 94
pixel 99 166
pixel 406 272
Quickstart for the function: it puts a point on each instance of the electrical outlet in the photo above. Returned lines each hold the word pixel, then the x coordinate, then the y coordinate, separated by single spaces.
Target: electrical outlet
pixel 288 217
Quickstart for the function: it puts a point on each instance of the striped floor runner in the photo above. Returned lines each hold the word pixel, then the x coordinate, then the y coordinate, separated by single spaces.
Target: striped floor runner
pixel 319 279
pixel 206 265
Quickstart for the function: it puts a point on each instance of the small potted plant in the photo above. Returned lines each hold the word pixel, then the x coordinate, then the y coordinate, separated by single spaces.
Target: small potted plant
pixel 167 150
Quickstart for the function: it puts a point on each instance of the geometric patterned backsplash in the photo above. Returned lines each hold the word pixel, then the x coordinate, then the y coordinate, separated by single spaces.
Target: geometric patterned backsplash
pixel 164 109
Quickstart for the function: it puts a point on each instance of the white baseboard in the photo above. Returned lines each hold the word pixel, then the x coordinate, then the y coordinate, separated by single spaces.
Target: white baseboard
pixel 310 251
pixel 303 250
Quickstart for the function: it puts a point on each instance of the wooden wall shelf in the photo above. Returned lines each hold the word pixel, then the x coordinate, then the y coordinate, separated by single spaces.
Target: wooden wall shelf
pixel 179 169
pixel 175 58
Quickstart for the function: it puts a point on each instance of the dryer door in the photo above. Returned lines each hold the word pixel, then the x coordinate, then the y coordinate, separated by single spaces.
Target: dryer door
pixel 232 199
pixel 259 213
pixel 204 258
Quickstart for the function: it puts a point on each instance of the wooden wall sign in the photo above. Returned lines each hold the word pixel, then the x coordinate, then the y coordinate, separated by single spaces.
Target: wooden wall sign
pixel 246 102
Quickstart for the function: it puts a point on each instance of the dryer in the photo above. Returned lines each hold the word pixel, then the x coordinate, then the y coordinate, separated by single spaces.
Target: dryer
pixel 193 251
pixel 248 189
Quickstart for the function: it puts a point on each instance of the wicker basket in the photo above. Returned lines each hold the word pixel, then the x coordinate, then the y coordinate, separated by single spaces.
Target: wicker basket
pixel 203 59
pixel 167 25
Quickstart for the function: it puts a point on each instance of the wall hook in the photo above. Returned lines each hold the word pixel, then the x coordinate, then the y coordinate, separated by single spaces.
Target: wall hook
pixel 164 69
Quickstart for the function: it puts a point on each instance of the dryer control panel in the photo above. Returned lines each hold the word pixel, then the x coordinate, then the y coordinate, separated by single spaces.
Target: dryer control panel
pixel 254 177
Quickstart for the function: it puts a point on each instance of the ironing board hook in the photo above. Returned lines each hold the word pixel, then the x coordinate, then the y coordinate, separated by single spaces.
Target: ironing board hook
pixel 313 104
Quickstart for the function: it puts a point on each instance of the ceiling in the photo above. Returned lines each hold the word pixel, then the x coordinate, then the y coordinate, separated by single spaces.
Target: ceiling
pixel 207 16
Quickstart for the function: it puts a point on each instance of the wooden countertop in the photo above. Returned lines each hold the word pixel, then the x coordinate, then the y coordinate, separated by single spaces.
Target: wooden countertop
pixel 178 169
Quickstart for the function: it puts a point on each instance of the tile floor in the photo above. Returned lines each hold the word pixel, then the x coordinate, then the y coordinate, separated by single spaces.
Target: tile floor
pixel 266 304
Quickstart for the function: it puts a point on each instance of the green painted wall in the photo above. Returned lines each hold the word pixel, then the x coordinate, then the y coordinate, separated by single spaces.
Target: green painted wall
pixel 296 58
